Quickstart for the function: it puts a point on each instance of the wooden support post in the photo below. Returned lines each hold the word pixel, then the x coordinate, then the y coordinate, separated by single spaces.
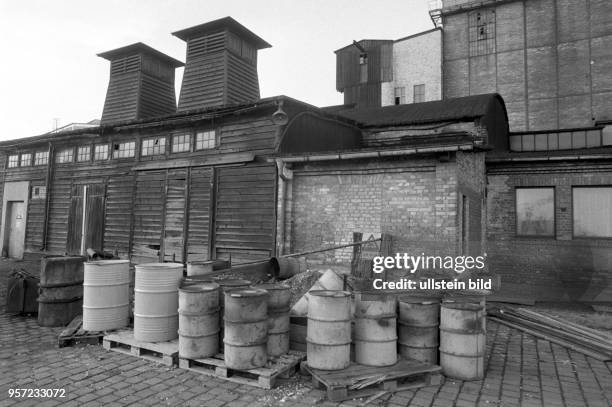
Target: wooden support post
pixel 386 245
pixel 357 237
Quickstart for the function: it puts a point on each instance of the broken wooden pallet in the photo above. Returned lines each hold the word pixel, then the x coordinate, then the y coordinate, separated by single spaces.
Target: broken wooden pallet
pixel 74 334
pixel 160 352
pixel 358 381
pixel 265 377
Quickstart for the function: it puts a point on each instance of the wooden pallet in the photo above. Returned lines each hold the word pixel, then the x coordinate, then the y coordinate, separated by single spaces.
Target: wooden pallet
pixel 264 377
pixel 160 352
pixel 358 381
pixel 74 334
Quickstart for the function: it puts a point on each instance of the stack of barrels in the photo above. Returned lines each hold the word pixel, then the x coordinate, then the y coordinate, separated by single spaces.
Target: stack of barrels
pixel 454 327
pixel 279 299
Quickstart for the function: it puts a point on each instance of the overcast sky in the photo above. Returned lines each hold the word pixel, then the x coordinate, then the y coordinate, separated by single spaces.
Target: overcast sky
pixel 50 69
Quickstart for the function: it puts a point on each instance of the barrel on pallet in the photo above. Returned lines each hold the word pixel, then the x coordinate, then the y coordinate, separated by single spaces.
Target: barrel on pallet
pixel 106 295
pixel 156 301
pixel 330 281
pixel 418 328
pixel 278 318
pixel 198 321
pixel 61 290
pixel 328 342
pixel 226 284
pixel 462 340
pixel 375 328
pixel 246 328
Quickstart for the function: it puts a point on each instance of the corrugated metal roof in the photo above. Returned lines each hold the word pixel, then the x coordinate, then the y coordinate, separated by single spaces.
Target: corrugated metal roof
pixel 457 109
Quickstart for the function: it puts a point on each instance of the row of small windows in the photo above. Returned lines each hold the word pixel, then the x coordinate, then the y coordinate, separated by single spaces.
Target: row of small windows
pixel 203 140
pixel 591 212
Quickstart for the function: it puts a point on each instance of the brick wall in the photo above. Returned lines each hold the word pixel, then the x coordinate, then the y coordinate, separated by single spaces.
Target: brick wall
pixel 416 60
pixel 559 268
pixel 551 61
pixel 413 199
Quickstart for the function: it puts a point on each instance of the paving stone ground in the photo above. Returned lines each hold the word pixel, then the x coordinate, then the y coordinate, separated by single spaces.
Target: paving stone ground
pixel 520 371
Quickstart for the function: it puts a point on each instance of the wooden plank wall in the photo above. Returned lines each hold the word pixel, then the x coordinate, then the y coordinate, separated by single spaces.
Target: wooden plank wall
pixel 200 207
pixel 174 215
pixel 36 218
pixel 242 80
pixel 245 212
pixel 148 215
pixel 203 82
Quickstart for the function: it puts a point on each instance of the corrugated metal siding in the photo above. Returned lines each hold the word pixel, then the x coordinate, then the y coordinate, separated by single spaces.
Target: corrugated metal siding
pixel 245 212
pixel 198 241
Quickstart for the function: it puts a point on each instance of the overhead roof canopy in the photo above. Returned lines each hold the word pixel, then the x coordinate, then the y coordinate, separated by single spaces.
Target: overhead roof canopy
pixel 220 24
pixel 139 48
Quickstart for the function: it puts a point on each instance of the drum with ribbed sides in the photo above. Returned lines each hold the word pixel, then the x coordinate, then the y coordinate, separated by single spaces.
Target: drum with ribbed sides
pixel 375 328
pixel 106 295
pixel 198 320
pixel 278 318
pixel 328 341
pixel 156 301
pixel 418 328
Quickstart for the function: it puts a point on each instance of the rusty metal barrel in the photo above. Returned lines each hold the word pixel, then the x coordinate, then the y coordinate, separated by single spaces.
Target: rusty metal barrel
pixel 375 336
pixel 278 318
pixel 419 328
pixel 198 320
pixel 226 284
pixel 328 340
pixel 61 290
pixel 106 295
pixel 156 301
pixel 246 328
pixel 462 340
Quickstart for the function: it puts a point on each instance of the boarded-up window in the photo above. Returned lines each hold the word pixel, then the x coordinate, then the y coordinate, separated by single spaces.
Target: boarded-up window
pixel 419 93
pixel 535 212
pixel 592 211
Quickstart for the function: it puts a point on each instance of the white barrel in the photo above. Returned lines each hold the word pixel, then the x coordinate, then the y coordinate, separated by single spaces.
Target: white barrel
pixel 156 301
pixel 106 295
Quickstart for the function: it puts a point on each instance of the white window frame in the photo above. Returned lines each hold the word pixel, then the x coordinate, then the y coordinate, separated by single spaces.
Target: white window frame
pixel 13 161
pixel 41 158
pixel 208 143
pixel 28 162
pixel 100 152
pixel 83 156
pixel 153 146
pixel 181 143
pixel 65 156
pixel 124 149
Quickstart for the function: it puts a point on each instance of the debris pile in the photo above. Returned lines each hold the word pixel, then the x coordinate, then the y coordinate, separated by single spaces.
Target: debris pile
pixel 562 332
pixel 300 284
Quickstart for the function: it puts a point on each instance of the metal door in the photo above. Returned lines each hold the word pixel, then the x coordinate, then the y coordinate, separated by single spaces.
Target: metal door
pixel 16 229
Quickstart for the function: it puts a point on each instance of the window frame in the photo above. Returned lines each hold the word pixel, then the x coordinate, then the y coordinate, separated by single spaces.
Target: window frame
pixel 418 86
pixel 60 152
pixel 116 152
pixel 95 153
pixel 215 139
pixel 189 142
pixel 78 153
pixel 152 154
pixel 576 187
pixel 554 213
pixel 29 163
pixel 15 159
pixel 44 154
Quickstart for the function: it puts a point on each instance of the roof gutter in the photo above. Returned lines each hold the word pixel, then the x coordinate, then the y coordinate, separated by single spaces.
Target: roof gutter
pixel 370 154
pixel 554 158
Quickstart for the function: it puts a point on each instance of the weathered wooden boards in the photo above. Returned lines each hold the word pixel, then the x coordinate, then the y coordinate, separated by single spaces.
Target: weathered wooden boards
pixel 265 377
pixel 358 381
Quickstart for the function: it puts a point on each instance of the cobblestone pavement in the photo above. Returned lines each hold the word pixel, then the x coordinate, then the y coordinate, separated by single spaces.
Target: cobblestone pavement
pixel 521 371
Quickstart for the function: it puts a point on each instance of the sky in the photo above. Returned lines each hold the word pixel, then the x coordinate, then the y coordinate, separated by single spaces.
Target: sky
pixel 49 68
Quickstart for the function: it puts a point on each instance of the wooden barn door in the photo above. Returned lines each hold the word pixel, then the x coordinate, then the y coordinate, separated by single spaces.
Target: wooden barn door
pixel 245 213
pixel 86 218
pixel 148 216
pixel 174 216
pixel 199 215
